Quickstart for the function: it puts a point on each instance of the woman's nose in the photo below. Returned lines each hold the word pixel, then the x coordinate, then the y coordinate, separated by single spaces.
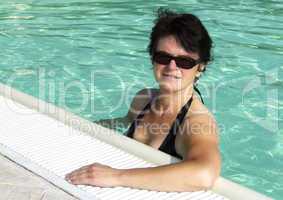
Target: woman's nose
pixel 172 64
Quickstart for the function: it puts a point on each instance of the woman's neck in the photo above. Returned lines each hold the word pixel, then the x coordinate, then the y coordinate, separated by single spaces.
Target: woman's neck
pixel 171 102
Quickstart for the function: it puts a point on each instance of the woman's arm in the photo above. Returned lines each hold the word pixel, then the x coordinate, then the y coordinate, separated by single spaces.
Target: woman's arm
pixel 136 106
pixel 198 170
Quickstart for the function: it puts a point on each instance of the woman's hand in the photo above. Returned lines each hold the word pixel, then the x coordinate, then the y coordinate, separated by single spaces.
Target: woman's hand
pixel 95 174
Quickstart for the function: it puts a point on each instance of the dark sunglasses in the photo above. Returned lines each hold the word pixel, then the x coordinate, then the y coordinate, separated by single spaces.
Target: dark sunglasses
pixel 181 61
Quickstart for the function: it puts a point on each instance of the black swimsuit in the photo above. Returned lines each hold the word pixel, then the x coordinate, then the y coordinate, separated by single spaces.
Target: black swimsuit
pixel 168 145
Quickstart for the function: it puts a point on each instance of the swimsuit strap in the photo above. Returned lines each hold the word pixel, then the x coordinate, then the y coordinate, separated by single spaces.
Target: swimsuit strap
pixel 197 90
pixel 134 124
pixel 168 145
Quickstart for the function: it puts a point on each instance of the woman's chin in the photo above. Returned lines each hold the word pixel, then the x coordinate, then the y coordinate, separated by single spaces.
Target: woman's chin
pixel 168 86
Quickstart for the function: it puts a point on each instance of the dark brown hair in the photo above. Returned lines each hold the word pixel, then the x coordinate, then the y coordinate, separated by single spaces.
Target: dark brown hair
pixel 186 28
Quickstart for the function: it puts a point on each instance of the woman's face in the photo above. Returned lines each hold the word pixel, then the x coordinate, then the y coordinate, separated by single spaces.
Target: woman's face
pixel 170 77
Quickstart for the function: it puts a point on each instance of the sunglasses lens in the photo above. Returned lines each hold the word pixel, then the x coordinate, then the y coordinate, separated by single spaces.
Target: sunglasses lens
pixel 162 59
pixel 165 59
pixel 185 63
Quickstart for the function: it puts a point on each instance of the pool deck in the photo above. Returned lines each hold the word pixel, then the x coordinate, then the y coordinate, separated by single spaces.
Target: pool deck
pixel 18 183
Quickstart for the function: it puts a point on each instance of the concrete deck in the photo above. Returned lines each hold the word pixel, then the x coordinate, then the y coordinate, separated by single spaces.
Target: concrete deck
pixel 17 183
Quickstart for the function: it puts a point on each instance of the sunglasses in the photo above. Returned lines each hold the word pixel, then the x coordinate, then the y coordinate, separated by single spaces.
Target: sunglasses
pixel 181 61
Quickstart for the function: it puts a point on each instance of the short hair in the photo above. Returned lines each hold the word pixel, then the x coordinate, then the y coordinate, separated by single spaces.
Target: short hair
pixel 186 28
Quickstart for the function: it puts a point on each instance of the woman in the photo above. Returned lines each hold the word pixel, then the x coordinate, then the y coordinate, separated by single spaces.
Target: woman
pixel 171 118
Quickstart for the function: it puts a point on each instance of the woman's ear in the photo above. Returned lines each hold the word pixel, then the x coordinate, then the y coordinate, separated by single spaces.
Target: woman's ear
pixel 201 68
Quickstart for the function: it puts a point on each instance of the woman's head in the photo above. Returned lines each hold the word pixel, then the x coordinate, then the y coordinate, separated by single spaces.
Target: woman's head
pixel 188 31
pixel 174 37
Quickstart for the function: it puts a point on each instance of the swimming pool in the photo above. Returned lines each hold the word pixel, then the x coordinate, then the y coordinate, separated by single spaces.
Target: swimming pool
pixel 90 57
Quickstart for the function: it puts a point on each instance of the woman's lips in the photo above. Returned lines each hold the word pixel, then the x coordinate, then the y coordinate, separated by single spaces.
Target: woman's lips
pixel 171 76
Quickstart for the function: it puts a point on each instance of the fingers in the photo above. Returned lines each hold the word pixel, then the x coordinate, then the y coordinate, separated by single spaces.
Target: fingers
pixel 95 174
pixel 83 175
pixel 81 178
pixel 76 173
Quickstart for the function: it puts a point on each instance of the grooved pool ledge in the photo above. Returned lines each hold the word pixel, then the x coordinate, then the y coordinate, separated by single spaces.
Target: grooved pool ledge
pixel 32 128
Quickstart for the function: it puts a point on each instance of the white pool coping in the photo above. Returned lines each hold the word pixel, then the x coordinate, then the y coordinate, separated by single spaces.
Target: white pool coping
pixel 222 186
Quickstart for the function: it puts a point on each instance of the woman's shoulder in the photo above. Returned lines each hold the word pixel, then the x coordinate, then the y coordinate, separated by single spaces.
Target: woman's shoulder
pixel 199 114
pixel 197 107
pixel 199 125
pixel 140 100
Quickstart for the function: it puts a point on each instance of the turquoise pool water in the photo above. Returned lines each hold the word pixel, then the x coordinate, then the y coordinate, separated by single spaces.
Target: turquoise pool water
pixel 90 57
